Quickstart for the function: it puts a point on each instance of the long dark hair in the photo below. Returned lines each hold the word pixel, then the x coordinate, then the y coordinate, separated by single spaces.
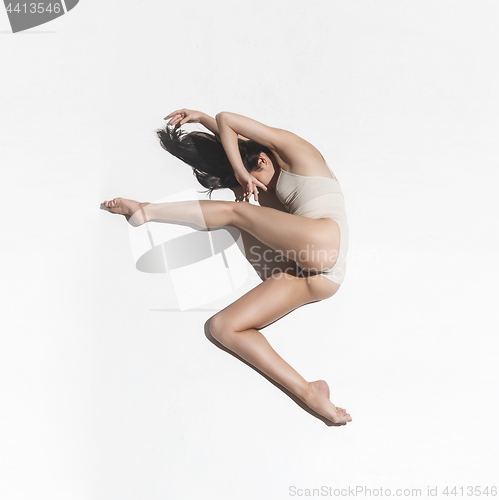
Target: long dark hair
pixel 205 153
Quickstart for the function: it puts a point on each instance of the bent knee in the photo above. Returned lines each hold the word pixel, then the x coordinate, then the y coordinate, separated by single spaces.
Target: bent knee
pixel 219 327
pixel 321 287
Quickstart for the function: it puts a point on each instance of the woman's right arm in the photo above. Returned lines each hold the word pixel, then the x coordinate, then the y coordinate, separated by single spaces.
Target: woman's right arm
pixel 182 116
pixel 229 139
pixel 210 123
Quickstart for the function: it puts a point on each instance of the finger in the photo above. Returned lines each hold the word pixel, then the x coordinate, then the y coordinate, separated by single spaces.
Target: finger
pixel 173 120
pixel 172 113
pixel 176 118
pixel 261 184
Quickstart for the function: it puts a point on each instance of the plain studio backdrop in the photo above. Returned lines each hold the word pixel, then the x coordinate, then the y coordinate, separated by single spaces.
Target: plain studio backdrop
pixel 109 391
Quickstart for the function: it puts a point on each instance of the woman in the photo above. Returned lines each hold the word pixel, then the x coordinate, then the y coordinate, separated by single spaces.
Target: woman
pixel 314 233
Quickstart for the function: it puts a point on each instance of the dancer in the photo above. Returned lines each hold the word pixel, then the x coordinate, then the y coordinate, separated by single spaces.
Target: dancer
pixel 313 232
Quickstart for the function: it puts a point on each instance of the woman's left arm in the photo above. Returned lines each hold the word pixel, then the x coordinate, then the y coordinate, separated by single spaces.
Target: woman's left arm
pixel 211 124
pixel 289 146
pixel 270 137
pixel 227 123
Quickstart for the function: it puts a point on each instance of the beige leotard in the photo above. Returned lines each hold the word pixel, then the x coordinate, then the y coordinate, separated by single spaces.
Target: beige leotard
pixel 317 197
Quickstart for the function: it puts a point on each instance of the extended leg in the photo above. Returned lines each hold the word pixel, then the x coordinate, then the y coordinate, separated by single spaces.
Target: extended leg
pixel 236 328
pixel 313 243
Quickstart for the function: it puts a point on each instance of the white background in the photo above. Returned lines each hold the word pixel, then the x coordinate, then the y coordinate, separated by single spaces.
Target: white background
pixel 107 395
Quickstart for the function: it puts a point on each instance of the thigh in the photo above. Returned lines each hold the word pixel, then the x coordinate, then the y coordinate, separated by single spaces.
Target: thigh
pixel 274 298
pixel 311 242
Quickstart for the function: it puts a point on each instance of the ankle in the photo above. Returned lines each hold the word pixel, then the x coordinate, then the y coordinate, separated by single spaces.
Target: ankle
pixel 146 211
pixel 305 392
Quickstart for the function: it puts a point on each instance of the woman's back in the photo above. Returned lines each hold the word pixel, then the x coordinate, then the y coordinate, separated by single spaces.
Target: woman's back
pixel 298 156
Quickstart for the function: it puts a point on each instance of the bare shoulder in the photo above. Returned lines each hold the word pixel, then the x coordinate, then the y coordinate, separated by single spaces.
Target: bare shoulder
pixel 292 152
pixel 298 155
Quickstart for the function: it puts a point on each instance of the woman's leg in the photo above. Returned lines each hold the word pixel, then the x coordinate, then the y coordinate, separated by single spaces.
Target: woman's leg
pixel 313 243
pixel 236 328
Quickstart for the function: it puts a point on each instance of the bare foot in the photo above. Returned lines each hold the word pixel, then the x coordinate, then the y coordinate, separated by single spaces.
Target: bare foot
pixel 318 399
pixel 131 209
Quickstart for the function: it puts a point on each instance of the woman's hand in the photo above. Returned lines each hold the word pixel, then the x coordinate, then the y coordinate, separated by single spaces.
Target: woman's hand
pixel 250 184
pixel 182 116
